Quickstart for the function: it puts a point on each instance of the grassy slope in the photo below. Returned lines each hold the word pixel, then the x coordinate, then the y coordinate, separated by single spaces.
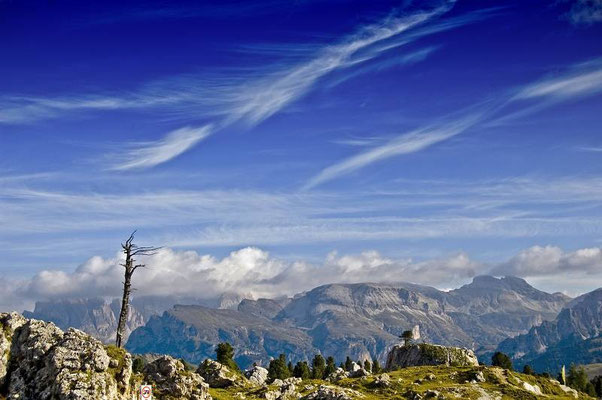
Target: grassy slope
pixel 449 381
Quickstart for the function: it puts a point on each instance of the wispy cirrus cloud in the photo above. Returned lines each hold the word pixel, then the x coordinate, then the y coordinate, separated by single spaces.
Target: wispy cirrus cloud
pixel 581 80
pixel 248 96
pixel 146 155
pixel 403 144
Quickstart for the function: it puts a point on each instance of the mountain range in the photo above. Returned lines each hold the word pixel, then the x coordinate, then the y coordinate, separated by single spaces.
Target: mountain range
pixel 358 320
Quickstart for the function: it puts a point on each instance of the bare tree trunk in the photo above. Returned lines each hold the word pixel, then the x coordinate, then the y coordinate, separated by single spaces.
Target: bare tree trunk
pixel 130 250
pixel 125 308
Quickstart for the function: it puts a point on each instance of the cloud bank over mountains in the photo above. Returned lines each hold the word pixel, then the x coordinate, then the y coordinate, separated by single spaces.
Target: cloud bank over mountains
pixel 253 271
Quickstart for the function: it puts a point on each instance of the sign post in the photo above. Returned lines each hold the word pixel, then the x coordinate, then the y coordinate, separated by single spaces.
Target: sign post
pixel 146 392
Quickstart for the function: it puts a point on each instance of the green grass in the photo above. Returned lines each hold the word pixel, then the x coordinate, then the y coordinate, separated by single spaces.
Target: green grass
pixel 449 381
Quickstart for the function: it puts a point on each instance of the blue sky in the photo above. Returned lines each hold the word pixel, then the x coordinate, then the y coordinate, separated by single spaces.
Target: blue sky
pixel 418 130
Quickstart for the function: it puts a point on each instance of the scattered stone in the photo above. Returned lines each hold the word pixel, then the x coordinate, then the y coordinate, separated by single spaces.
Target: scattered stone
pixel 478 377
pixel 332 393
pixel 257 375
pixel 278 382
pixel 337 375
pixel 532 388
pixel 430 377
pixel 431 394
pixel 383 381
pixel 412 395
pixel 358 373
pixel 216 374
pixel 169 377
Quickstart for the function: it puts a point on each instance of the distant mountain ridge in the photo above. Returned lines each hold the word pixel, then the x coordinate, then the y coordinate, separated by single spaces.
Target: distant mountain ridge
pixel 574 336
pixel 360 320
pixel 98 317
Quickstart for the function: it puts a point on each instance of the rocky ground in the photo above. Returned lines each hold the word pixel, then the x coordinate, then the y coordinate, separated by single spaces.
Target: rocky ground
pixel 39 361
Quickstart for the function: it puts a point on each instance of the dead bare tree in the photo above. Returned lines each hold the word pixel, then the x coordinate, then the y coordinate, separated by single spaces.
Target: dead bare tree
pixel 130 250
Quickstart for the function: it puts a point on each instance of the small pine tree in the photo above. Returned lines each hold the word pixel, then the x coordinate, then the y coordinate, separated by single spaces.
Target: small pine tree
pixel 367 366
pixel 528 370
pixel 278 368
pixel 577 378
pixel 290 368
pixel 348 364
pixel 376 369
pixel 500 359
pixel 330 367
pixel 407 337
pixel 301 370
pixel 225 356
pixel 318 365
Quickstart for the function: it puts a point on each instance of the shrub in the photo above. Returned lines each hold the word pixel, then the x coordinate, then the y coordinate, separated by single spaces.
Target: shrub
pixel 502 360
pixel 137 365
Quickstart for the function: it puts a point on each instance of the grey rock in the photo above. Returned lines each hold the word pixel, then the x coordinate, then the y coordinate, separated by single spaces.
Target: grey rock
pixel 8 323
pixel 359 373
pixel 383 381
pixel 217 375
pixel 337 375
pixel 45 363
pixel 48 364
pixel 325 392
pixel 427 354
pixel 257 375
pixel 169 377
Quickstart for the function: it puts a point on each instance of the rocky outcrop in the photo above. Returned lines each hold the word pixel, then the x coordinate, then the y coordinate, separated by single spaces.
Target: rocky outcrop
pixel 41 362
pixel 171 380
pixel 217 375
pixel 46 364
pixel 257 375
pixel 402 356
pixel 8 324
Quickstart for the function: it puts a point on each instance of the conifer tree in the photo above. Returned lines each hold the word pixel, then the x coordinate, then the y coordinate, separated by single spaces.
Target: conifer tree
pixel 376 367
pixel 330 367
pixel 318 365
pixel 278 368
pixel 302 370
pixel 348 364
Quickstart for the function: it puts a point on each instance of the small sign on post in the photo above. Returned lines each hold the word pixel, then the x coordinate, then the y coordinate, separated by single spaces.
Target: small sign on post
pixel 146 392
